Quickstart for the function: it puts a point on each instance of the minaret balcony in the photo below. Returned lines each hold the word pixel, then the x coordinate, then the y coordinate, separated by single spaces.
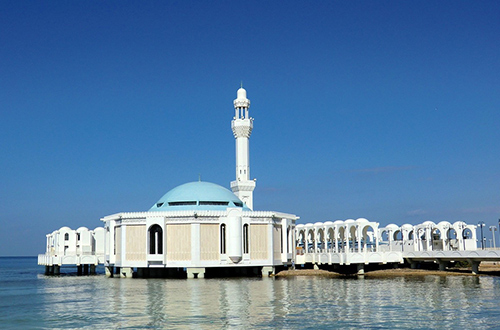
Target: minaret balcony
pixel 247 185
pixel 242 127
pixel 241 103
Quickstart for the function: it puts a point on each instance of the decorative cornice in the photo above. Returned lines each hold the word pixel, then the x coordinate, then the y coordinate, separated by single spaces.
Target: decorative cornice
pixel 134 220
pixel 141 216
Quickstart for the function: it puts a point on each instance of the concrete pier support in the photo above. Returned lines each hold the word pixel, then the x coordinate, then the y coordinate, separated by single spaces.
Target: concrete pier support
pixel 443 265
pixel 195 272
pixel 79 270
pixel 268 270
pixel 47 270
pixel 92 269
pixel 108 270
pixel 85 269
pixel 360 269
pixel 57 270
pixel 414 265
pixel 475 267
pixel 126 272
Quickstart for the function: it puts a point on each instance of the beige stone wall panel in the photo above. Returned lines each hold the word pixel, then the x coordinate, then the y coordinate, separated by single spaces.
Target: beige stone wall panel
pixel 209 242
pixel 258 242
pixel 118 243
pixel 136 243
pixel 178 242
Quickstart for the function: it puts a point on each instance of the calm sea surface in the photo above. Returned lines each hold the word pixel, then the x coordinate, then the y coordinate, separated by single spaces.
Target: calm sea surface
pixel 31 300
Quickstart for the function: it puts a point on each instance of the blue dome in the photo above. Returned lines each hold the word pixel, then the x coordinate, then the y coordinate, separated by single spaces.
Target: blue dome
pixel 198 196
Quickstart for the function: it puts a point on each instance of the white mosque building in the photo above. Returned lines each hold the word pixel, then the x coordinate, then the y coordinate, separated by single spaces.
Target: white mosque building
pixel 194 229
pixel 202 229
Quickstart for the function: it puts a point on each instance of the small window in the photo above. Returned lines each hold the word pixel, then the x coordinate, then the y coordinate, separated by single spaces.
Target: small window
pixel 159 204
pixel 78 236
pixel 214 203
pixel 66 237
pixel 238 204
pixel 182 203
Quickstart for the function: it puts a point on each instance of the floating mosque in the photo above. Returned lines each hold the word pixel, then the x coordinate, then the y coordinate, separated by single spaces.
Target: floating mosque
pixel 194 229
pixel 201 229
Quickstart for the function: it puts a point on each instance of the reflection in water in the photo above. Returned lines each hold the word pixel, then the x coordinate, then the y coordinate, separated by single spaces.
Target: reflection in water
pixel 302 302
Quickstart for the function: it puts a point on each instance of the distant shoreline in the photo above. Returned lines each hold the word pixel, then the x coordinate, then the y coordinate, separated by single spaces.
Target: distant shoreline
pixel 34 257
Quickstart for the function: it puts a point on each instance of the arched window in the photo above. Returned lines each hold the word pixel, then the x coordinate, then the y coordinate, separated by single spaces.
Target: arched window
pixel 223 239
pixel 66 237
pixel 155 240
pixel 245 238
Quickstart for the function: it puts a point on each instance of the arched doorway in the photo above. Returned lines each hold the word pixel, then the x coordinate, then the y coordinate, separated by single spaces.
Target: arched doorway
pixel 368 240
pixel 320 243
pixel 310 241
pixel 155 240
pixel 331 240
pixel 437 243
pixel 452 239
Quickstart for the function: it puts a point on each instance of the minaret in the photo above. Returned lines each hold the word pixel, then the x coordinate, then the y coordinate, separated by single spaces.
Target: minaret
pixel 242 126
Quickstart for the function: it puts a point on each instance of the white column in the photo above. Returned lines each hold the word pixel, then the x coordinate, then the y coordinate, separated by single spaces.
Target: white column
pixel 428 234
pixel 315 240
pixel 195 244
pixel 389 236
pixel 365 239
pixel 359 234
pixel 111 244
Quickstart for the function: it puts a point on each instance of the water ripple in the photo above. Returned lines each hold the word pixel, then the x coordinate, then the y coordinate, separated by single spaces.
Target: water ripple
pixel 69 302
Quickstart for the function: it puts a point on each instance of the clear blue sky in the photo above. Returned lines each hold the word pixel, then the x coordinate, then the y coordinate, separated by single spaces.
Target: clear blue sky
pixel 388 110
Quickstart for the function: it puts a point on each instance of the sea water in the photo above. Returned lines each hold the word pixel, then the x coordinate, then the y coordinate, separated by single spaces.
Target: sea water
pixel 31 300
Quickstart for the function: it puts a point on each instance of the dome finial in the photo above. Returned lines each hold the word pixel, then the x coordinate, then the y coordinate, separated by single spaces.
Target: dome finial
pixel 199 177
pixel 242 93
pixel 241 85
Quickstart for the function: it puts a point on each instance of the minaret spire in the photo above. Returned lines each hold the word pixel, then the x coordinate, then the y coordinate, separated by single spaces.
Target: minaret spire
pixel 242 126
